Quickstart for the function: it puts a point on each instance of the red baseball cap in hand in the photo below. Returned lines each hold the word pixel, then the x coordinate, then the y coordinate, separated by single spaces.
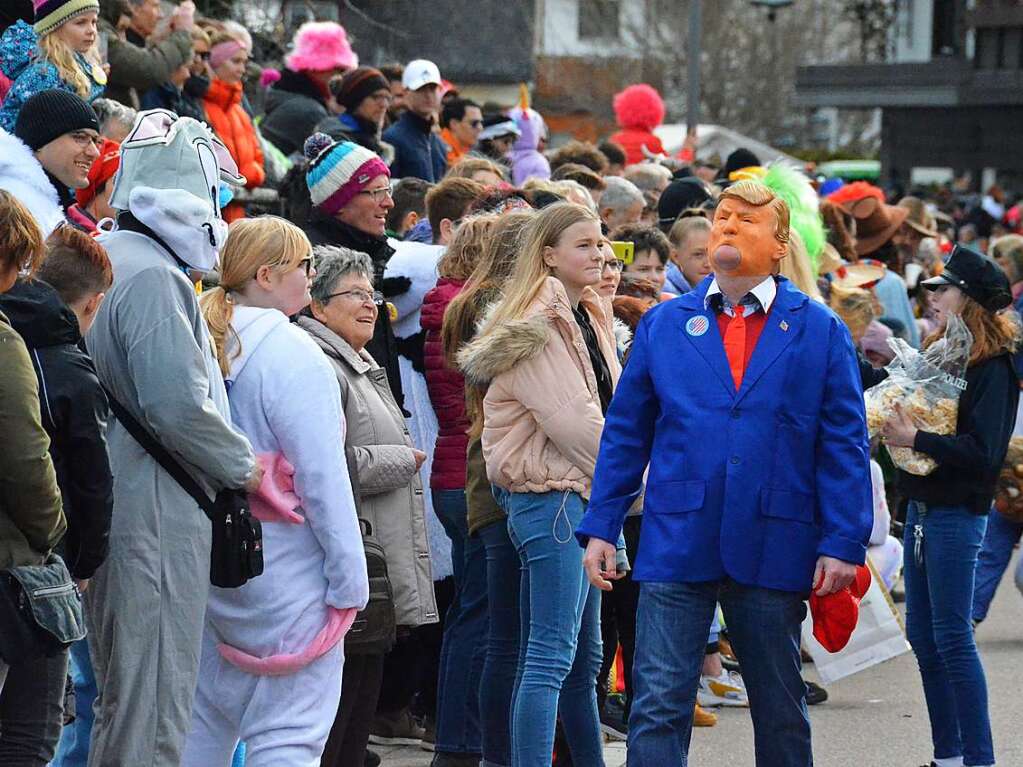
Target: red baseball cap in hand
pixel 835 616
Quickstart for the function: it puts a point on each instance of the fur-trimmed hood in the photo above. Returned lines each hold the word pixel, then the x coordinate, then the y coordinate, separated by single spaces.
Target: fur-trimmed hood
pixel 488 356
pixel 23 176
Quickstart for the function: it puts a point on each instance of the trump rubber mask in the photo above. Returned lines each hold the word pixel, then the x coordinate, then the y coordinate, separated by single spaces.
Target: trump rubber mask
pixel 750 231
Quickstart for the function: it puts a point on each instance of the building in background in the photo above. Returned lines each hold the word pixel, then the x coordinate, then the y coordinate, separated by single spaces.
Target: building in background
pixel 951 95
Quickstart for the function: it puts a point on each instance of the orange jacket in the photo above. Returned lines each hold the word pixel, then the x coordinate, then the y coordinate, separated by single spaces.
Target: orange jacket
pixel 458 149
pixel 632 140
pixel 233 126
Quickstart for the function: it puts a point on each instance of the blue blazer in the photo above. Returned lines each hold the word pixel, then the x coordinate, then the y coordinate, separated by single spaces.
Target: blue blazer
pixel 752 484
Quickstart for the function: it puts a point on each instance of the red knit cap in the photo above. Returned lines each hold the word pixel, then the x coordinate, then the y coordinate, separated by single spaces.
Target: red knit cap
pixel 102 170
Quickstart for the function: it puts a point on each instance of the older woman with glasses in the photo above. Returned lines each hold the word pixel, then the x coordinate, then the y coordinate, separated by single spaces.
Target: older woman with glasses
pixel 389 493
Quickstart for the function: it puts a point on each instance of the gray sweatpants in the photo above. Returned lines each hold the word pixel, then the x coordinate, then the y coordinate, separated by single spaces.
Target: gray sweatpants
pixel 145 610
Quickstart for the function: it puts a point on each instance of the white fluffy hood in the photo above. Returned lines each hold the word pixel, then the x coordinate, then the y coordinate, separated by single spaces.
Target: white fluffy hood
pixel 23 176
pixel 253 326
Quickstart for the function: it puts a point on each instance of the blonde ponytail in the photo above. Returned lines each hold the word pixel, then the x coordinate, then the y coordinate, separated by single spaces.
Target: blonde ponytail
pixel 251 243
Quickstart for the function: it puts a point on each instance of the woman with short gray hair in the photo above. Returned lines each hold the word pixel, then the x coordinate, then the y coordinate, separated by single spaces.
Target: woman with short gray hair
pixel 389 493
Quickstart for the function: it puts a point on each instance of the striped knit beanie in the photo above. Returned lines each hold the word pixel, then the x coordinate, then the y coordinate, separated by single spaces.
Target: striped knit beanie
pixel 50 14
pixel 339 171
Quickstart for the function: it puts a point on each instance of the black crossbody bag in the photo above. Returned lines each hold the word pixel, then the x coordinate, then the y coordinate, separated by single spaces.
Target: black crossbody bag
pixel 237 551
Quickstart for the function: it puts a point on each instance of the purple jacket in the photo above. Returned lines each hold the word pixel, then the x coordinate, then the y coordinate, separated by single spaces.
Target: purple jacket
pixel 527 162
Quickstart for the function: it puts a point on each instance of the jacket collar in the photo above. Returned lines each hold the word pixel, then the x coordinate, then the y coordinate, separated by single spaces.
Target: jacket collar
pixel 335 346
pixel 377 248
pixel 417 123
pixel 784 324
pixel 296 82
pixel 223 94
pixel 761 295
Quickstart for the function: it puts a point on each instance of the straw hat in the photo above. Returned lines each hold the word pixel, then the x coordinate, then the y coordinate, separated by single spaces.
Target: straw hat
pixel 863 274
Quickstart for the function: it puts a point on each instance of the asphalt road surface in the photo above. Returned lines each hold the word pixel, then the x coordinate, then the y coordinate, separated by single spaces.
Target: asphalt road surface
pixel 876 718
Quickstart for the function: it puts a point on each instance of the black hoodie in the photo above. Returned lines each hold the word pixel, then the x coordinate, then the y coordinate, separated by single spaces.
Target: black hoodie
pixel 74 413
pixel 294 106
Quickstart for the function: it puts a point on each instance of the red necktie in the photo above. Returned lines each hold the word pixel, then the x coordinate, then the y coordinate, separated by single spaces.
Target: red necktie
pixel 735 345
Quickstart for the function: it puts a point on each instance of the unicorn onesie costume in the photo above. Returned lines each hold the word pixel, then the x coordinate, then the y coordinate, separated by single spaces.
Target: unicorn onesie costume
pixel 270 672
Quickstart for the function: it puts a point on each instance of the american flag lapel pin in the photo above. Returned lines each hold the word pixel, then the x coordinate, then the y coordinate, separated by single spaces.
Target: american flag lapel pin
pixel 784 326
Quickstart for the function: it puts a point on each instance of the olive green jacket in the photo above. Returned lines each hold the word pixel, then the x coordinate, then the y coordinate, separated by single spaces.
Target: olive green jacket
pixel 31 516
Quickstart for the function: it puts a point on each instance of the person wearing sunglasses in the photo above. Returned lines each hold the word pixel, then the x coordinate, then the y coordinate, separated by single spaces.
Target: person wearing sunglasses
pixel 185 89
pixel 461 122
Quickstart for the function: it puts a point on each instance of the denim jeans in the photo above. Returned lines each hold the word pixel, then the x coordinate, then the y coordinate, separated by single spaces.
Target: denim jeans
pixel 465 631
pixel 999 541
pixel 32 711
pixel 73 750
pixel 939 599
pixel 497 683
pixel 560 653
pixel 671 638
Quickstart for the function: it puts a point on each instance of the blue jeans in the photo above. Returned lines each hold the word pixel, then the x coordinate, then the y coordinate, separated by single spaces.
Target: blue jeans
pixel 939 599
pixel 1002 536
pixel 73 750
pixel 671 637
pixel 560 650
pixel 465 630
pixel 499 669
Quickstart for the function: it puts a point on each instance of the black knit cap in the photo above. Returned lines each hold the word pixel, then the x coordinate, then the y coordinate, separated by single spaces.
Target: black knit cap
pixel 50 114
pixel 739 159
pixel 358 85
pixel 681 194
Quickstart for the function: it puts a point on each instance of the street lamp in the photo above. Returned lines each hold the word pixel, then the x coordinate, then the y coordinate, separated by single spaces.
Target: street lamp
pixel 772 6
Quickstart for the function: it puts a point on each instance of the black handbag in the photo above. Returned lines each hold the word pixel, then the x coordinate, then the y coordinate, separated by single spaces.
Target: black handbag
pixel 237 551
pixel 40 611
pixel 373 632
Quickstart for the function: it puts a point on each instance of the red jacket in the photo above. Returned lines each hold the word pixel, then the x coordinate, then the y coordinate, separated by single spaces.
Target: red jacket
pixel 632 140
pixel 447 392
pixel 233 126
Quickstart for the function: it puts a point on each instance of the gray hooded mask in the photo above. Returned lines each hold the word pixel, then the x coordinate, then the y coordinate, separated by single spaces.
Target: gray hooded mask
pixel 169 178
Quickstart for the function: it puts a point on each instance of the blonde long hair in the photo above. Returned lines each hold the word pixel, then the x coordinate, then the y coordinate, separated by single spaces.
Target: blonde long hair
pixel 251 243
pixel 531 271
pixel 797 267
pixel 59 53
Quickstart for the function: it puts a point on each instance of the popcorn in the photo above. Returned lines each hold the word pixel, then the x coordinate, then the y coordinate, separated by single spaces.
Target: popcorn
pixel 1009 489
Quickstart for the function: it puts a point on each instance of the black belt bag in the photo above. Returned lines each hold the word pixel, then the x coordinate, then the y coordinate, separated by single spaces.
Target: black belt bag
pixel 40 611
pixel 237 551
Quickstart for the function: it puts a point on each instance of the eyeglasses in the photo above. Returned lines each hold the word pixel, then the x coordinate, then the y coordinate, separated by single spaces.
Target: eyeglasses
pixel 378 195
pixel 383 98
pixel 476 123
pixel 202 55
pixel 307 264
pixel 613 264
pixel 83 139
pixel 360 295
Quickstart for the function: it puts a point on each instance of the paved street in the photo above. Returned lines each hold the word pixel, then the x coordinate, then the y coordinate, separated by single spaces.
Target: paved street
pixel 874 719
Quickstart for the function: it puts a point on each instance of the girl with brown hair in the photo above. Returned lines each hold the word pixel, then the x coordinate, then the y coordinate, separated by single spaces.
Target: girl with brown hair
pixel 948 508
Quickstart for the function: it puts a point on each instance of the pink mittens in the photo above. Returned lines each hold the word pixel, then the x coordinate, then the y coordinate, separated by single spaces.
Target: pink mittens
pixel 275 501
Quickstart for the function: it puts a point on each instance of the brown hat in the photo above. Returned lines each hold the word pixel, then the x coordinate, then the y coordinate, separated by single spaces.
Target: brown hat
pixel 876 223
pixel 919 217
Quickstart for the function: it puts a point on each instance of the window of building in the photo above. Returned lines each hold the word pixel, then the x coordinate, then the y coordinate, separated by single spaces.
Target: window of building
pixel 599 19
pixel 999 48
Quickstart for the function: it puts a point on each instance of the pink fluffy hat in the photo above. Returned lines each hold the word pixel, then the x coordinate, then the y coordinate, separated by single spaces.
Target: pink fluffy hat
pixel 320 46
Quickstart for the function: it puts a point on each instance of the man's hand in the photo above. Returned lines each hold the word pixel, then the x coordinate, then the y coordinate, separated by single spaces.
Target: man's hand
pixel 255 479
pixel 832 575
pixel 599 562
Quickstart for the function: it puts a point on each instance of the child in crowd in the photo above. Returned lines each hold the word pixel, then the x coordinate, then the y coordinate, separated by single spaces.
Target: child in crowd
pixel 58 51
pixel 650 257
pixel 689 261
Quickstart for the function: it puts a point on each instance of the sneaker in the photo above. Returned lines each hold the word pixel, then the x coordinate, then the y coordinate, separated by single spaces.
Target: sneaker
pixel 725 690
pixel 397 729
pixel 429 742
pixel 612 721
pixel 815 694
pixel 703 718
pixel 372 759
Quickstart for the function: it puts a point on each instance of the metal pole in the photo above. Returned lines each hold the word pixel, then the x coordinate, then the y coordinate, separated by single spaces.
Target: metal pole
pixel 693 99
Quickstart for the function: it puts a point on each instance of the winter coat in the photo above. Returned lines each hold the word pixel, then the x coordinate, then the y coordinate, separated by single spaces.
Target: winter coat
pixel 456 149
pixel 31 519
pixel 542 418
pixel 135 67
pixel 447 391
pixel 316 561
pixel 294 106
pixel 391 492
pixel 418 151
pixel 168 96
pixel 232 124
pixel 21 62
pixel 75 412
pixel 632 140
pixel 382 347
pixel 349 127
pixel 675 283
pixel 23 176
